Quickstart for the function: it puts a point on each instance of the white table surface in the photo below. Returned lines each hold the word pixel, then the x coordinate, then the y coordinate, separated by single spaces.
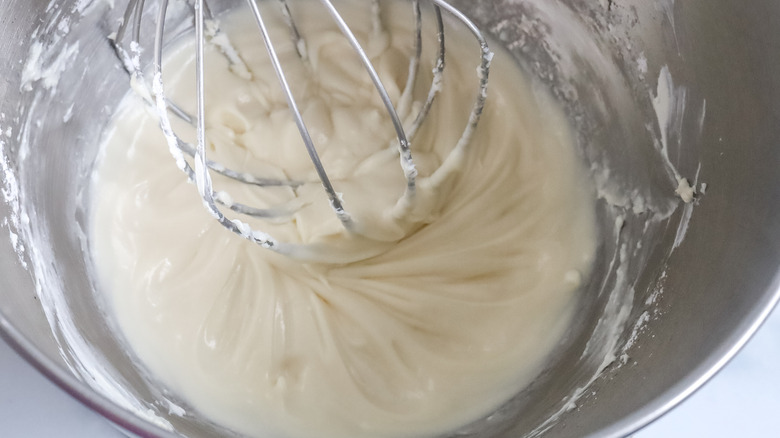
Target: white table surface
pixel 742 401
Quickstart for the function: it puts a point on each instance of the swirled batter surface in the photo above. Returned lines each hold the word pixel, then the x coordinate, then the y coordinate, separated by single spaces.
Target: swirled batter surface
pixel 457 308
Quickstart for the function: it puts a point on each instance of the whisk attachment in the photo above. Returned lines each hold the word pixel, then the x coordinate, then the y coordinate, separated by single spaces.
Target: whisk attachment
pixel 127 43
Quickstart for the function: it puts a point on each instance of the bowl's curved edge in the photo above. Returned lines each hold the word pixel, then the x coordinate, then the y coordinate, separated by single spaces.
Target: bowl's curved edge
pixel 700 375
pixel 127 423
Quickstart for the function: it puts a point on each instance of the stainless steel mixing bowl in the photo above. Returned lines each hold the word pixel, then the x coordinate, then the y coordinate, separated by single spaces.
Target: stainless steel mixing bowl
pixel 655 90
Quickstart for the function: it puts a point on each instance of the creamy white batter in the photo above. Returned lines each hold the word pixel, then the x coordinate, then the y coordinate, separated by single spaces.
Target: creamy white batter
pixel 457 311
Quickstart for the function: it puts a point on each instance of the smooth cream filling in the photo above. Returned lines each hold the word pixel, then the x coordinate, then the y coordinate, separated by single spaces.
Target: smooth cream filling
pixel 461 301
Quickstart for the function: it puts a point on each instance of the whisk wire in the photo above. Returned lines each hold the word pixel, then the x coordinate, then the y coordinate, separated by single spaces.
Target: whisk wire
pixel 438 71
pixel 404 149
pixel 335 201
pixel 486 58
pixel 295 34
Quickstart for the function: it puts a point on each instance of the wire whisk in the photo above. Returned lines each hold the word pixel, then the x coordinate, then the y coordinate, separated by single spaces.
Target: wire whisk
pixel 192 158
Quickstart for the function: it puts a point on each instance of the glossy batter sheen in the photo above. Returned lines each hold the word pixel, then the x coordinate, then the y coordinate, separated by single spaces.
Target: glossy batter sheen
pixel 456 313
